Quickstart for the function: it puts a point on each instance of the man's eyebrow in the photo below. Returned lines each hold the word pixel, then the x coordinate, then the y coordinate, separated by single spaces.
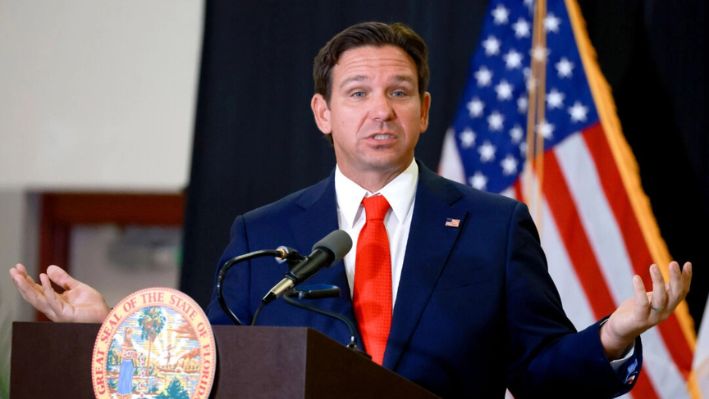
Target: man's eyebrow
pixel 404 78
pixel 355 78
pixel 362 78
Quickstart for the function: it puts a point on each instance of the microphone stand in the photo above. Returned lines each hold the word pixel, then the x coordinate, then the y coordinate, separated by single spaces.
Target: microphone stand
pixel 285 254
pixel 314 294
pixel 281 254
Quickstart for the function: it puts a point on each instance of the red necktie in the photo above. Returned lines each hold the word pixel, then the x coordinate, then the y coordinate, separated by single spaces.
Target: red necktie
pixel 372 286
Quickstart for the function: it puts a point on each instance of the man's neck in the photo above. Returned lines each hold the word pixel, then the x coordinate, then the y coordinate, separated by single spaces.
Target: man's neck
pixel 374 180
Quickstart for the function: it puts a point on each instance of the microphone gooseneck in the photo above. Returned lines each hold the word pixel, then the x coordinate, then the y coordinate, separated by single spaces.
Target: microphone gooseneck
pixel 282 254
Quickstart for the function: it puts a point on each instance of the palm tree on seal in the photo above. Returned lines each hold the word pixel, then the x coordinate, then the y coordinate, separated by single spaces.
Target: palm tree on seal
pixel 151 322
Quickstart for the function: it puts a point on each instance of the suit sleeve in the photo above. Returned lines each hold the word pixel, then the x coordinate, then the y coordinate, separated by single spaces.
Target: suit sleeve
pixel 546 356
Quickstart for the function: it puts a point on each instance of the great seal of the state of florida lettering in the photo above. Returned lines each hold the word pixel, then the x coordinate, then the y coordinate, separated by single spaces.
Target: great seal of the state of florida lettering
pixel 156 343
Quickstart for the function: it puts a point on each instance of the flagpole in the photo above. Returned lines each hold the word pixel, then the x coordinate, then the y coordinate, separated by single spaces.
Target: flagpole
pixel 535 114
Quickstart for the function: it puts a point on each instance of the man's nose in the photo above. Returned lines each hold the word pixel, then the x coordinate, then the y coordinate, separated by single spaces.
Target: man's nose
pixel 381 108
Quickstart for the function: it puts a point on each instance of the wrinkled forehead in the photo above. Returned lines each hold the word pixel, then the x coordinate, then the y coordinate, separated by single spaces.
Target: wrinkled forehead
pixel 370 62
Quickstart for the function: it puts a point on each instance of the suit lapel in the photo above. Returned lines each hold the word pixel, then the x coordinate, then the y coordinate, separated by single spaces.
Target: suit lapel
pixel 319 217
pixel 429 244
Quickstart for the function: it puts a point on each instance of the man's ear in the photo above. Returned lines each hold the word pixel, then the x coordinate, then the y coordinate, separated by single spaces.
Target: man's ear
pixel 425 108
pixel 321 112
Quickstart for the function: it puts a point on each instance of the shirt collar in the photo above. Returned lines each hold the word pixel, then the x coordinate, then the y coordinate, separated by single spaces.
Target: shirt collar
pixel 398 192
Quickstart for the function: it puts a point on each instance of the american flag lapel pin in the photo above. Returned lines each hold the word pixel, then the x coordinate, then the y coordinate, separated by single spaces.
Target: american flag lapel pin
pixel 450 222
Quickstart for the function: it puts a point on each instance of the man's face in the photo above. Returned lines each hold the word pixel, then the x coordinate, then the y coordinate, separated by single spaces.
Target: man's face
pixel 375 113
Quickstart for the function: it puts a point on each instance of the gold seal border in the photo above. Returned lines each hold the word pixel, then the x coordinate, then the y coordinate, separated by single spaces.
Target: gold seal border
pixel 162 296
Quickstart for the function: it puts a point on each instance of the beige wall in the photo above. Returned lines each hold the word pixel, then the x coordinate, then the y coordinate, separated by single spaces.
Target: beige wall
pixel 97 93
pixel 94 95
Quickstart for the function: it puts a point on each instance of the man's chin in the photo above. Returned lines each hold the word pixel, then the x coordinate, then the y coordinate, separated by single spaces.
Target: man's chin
pixel 388 164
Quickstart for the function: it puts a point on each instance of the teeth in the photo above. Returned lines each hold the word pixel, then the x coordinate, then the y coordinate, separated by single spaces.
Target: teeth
pixel 382 136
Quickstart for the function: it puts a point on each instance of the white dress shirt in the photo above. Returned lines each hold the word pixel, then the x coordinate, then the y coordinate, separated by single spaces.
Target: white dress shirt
pixel 400 194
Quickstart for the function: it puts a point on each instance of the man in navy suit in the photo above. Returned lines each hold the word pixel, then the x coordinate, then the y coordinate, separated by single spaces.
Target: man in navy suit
pixel 474 309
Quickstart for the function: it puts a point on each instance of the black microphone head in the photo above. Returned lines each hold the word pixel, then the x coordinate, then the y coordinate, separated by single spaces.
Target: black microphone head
pixel 338 242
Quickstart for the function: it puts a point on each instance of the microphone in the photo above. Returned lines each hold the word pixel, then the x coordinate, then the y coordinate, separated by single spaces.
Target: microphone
pixel 330 249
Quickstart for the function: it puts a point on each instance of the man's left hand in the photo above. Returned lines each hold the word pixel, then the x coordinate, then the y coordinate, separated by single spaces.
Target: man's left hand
pixel 645 309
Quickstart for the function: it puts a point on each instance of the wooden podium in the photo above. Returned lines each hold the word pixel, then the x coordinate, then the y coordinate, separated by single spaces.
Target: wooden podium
pixel 52 360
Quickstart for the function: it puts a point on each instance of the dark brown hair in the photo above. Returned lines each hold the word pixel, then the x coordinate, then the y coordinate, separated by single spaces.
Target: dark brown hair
pixel 376 34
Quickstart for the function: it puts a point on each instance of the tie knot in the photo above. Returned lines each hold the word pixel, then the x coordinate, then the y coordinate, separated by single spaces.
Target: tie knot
pixel 375 207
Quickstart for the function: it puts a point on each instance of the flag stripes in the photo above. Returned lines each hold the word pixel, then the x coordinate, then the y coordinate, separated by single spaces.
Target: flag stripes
pixel 603 273
pixel 576 305
pixel 624 164
pixel 659 377
pixel 574 236
pixel 608 259
pixel 680 350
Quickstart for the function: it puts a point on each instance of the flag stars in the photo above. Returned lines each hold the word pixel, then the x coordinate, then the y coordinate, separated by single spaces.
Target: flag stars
pixel 487 152
pixel 495 121
pixel 516 134
pixel 526 72
pixel 513 59
pixel 504 90
pixel 500 15
pixel 483 76
pixel 578 112
pixel 546 129
pixel 478 181
pixel 475 107
pixel 555 99
pixel 521 28
pixel 467 138
pixel 503 83
pixel 551 23
pixel 522 104
pixel 564 68
pixel 491 45
pixel 509 165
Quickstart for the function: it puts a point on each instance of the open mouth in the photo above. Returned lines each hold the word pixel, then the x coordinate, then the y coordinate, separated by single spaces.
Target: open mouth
pixel 383 136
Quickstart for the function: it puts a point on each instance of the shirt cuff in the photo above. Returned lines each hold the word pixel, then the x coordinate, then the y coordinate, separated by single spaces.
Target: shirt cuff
pixel 619 364
pixel 627 367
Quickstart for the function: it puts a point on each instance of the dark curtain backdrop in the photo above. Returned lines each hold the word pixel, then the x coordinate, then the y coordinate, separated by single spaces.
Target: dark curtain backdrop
pixel 255 139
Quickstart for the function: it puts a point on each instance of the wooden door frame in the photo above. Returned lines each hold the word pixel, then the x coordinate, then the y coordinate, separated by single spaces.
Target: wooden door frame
pixel 61 211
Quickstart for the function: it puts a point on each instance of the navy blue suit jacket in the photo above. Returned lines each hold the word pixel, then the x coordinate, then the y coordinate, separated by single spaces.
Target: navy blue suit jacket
pixel 476 310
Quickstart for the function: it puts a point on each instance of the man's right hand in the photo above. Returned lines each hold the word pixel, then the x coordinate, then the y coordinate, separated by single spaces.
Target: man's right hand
pixel 79 303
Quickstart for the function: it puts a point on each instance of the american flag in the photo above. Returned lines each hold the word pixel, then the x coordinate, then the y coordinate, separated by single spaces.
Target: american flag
pixel 581 185
pixel 452 222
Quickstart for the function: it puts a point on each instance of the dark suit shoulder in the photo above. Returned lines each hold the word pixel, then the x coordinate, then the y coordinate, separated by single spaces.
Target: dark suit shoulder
pixel 462 195
pixel 290 203
pixel 486 199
